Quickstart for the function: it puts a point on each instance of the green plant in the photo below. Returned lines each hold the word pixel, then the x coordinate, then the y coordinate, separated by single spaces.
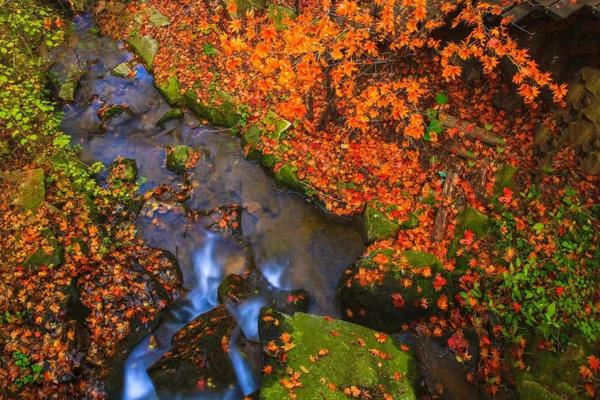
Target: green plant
pixel 30 373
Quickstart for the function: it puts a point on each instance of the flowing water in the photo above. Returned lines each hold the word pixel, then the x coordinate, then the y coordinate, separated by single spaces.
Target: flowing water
pixel 295 244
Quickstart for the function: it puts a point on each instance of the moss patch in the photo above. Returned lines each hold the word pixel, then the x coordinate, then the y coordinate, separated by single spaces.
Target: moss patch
pixel 286 177
pixel 377 225
pixel 145 47
pixel 344 356
pixel 222 115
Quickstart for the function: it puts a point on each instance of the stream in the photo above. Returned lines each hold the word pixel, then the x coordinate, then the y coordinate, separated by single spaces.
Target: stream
pixel 284 245
pixel 293 243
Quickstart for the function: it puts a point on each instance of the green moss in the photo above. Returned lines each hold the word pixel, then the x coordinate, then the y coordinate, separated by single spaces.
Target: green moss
pixel 286 177
pixel 421 259
pixel 474 221
pixel 251 141
pixel 280 125
pixel 145 47
pixel 504 178
pixel 123 169
pixel 157 19
pixel 29 187
pixel 122 70
pixel 347 362
pixel 170 90
pixel 177 158
pixel 223 115
pixel 377 225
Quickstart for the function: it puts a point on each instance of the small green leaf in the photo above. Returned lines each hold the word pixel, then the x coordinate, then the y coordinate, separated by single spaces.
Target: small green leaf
pixel 209 49
pixel 441 98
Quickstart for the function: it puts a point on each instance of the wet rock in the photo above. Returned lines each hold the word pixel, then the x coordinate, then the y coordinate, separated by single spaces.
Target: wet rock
pixel 65 76
pixel 224 219
pixel 234 288
pixel 145 47
pixel 387 295
pixel 292 301
pixel 199 356
pixel 122 70
pixel 551 375
pixel 224 114
pixel 29 187
pixel 170 90
pixel 50 253
pixel 591 164
pixel 123 169
pixel 313 357
pixel 287 177
pixel 178 158
pixel 377 225
pixel 172 114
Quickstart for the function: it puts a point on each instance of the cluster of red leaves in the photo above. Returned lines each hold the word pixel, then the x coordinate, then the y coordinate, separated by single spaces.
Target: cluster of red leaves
pixel 590 375
pixel 69 319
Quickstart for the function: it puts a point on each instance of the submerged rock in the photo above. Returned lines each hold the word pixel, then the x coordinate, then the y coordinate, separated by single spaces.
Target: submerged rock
pixel 123 169
pixel 199 356
pixel 314 357
pixel 122 70
pixel 29 187
pixel 172 114
pixel 377 225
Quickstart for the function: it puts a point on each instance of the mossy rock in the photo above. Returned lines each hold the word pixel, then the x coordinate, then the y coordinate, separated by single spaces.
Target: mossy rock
pixel 377 225
pixel 280 125
pixel 170 89
pixel 223 115
pixel 472 220
pixel 505 178
pixel 122 70
pixel 250 142
pixel 344 356
pixel 269 161
pixel 278 13
pixel 376 295
pixel 591 164
pixel 576 94
pixel 591 79
pixel 286 177
pixel 580 133
pixel 592 111
pixel 42 257
pixel 145 47
pixel 78 6
pixel 30 190
pixel 157 19
pixel 177 158
pixel 542 138
pixel 172 114
pixel 553 376
pixel 123 169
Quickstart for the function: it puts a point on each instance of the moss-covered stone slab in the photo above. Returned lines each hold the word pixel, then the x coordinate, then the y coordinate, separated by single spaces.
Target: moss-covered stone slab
pixel 170 89
pixel 251 141
pixel 199 354
pixel 123 169
pixel 328 359
pixel 145 47
pixel 580 133
pixel 592 111
pixel 576 94
pixel 29 187
pixel 177 158
pixel 377 225
pixel 172 114
pixel 279 125
pixel 224 114
pixel 422 259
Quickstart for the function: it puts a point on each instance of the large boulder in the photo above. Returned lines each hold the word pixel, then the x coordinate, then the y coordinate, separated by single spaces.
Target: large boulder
pixel 199 357
pixel 313 357
pixel 385 292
